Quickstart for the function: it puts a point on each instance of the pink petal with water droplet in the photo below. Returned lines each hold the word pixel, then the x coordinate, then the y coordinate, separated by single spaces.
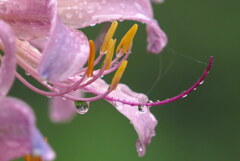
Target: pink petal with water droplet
pixel 81 14
pixel 18 131
pixel 143 121
pixel 62 110
pixel 8 62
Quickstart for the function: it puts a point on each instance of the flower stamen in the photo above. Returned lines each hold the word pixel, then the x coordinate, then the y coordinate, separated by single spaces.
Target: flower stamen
pixel 109 36
pixel 91 59
pixel 118 75
pixel 109 55
pixel 32 158
pixel 126 41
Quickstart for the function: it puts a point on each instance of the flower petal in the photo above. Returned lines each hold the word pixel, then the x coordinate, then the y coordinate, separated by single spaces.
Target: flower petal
pixel 40 146
pixel 34 19
pixel 62 110
pixel 8 62
pixel 29 18
pixel 143 121
pixel 65 53
pixel 81 14
pixel 18 131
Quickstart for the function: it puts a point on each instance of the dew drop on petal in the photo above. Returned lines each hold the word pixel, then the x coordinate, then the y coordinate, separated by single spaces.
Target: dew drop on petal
pixel 140 148
pixel 82 107
pixel 185 96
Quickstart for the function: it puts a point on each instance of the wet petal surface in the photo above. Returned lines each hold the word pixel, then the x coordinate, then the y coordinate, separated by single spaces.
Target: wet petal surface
pixel 18 131
pixel 79 14
pixel 140 117
pixel 62 110
pixel 8 61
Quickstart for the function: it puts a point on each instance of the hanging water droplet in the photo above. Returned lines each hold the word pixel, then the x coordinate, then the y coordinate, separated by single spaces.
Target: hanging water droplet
pixel 82 107
pixel 195 89
pixel 102 76
pixel 27 74
pixel 201 82
pixel 184 96
pixel 140 148
pixel 92 24
pixel 141 108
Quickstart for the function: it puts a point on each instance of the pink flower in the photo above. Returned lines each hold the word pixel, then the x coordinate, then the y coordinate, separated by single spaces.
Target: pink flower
pixel 49 47
pixel 18 133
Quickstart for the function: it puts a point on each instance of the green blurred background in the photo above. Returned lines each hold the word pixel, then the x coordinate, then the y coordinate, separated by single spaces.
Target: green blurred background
pixel 201 127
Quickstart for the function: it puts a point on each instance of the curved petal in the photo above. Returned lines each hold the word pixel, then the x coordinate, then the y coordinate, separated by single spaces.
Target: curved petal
pixel 18 134
pixel 29 18
pixel 34 19
pixel 62 110
pixel 142 119
pixel 81 14
pixel 65 53
pixel 8 62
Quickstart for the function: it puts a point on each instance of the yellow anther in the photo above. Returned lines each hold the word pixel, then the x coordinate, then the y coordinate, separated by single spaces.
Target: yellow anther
pixel 126 41
pixel 109 36
pixel 28 158
pixel 109 55
pixel 118 75
pixel 91 59
pixel 32 158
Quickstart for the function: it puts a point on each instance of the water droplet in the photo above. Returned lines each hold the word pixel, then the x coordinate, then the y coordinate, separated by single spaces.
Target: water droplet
pixel 140 148
pixel 28 74
pixel 185 96
pixel 141 108
pixel 63 98
pixel 49 96
pixel 82 107
pixel 201 82
pixel 195 89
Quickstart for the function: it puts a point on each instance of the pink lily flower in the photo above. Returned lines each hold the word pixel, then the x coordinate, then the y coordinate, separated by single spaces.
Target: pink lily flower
pixel 51 49
pixel 18 133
